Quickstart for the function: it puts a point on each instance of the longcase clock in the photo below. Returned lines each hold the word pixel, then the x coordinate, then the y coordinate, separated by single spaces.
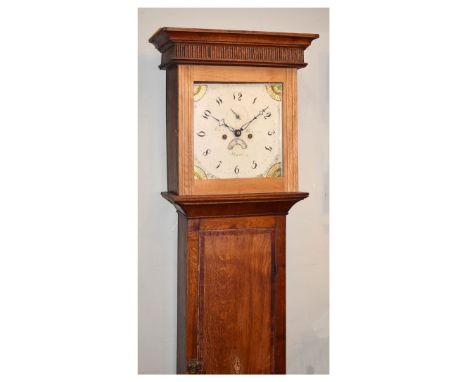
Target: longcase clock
pixel 232 175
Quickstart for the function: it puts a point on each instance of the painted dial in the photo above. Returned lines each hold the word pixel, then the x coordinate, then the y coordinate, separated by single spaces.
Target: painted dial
pixel 237 130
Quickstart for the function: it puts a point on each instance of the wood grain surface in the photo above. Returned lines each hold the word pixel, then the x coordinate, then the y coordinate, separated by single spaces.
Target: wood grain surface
pixel 197 206
pixel 231 283
pixel 236 332
pixel 231 47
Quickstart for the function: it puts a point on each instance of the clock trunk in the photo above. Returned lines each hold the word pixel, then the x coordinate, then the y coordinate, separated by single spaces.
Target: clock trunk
pixel 231 283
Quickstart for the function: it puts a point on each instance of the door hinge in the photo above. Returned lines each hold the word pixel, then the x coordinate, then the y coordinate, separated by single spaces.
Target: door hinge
pixel 194 366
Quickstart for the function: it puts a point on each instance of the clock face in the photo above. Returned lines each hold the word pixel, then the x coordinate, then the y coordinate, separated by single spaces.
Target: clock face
pixel 237 130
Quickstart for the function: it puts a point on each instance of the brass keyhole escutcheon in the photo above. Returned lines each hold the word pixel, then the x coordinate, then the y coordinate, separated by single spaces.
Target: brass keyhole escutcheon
pixel 236 365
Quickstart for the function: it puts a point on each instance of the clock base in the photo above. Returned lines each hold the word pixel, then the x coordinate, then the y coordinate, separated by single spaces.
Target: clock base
pixel 231 282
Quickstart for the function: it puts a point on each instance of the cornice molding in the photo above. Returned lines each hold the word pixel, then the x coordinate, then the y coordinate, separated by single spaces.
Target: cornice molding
pixel 230 47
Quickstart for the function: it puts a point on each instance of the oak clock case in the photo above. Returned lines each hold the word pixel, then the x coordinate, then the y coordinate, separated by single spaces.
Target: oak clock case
pixel 231 134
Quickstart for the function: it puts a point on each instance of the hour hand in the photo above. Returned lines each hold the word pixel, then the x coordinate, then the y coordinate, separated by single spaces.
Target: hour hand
pixel 222 123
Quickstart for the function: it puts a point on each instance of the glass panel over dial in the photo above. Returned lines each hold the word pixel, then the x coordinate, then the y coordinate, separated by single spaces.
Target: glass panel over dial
pixel 237 130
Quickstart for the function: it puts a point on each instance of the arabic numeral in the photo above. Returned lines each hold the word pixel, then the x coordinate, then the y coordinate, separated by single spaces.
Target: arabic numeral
pixel 267 115
pixel 237 96
pixel 219 163
pixel 219 101
pixel 269 148
pixel 206 114
pixel 236 170
pixel 271 132
pixel 206 152
pixel 254 165
pixel 201 133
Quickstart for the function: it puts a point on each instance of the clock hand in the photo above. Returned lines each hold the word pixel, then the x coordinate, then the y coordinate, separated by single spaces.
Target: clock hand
pixel 237 115
pixel 222 123
pixel 245 125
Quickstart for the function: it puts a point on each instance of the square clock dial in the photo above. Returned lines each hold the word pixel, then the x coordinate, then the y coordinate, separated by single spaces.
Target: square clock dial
pixel 237 130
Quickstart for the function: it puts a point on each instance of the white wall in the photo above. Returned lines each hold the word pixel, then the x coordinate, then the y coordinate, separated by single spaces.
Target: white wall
pixel 307 224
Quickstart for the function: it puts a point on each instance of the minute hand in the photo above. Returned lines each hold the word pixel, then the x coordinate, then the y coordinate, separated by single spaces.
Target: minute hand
pixel 245 125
